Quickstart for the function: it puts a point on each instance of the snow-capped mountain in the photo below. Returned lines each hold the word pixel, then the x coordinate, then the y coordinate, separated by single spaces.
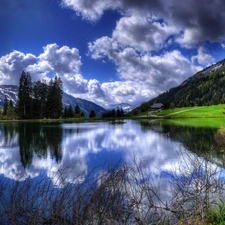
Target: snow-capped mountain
pixel 125 106
pixel 11 91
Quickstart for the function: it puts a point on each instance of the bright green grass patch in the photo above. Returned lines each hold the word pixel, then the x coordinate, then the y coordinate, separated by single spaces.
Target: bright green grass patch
pixel 215 111
pixel 169 111
pixel 195 122
pixel 143 114
pixel 216 214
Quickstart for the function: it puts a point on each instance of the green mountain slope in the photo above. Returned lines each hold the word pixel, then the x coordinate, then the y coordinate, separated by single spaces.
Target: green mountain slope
pixel 206 87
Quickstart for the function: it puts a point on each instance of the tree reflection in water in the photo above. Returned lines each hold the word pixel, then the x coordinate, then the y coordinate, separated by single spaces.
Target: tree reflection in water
pixel 33 138
pixel 68 152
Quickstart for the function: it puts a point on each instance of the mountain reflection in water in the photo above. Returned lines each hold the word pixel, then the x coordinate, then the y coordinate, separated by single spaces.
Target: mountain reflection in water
pixel 28 149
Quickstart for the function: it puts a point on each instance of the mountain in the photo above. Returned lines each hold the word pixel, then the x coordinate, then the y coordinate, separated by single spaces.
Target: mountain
pixel 125 106
pixel 204 88
pixel 10 91
pixel 86 106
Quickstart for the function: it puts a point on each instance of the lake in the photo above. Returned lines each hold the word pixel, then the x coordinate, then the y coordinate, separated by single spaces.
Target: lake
pixel 29 151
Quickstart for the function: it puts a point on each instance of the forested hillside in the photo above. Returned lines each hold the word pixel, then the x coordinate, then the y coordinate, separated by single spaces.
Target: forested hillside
pixel 204 88
pixel 207 87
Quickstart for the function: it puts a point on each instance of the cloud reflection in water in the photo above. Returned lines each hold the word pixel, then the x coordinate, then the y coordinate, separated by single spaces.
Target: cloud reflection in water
pixel 86 145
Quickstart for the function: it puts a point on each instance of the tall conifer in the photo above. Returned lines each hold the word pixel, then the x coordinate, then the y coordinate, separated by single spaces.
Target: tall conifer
pixel 54 100
pixel 5 106
pixel 77 109
pixel 24 103
pixel 40 93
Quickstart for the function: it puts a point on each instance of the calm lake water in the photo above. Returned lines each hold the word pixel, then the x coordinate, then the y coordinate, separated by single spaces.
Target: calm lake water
pixel 39 159
pixel 30 149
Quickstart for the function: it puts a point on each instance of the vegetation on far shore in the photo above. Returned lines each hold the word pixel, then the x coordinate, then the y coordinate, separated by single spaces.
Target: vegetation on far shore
pixel 190 116
pixel 214 111
pixel 40 101
pixel 196 116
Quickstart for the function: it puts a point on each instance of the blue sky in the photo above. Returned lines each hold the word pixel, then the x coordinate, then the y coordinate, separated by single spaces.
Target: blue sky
pixel 110 51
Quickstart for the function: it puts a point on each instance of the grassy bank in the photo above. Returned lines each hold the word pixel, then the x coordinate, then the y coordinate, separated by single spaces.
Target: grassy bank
pixel 202 116
pixel 214 111
pixel 195 122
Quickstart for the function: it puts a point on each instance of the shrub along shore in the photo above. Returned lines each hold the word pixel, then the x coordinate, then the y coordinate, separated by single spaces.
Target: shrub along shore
pixel 119 194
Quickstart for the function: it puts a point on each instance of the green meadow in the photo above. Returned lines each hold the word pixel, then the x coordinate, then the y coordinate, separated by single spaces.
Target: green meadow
pixel 214 111
pixel 196 122
pixel 202 116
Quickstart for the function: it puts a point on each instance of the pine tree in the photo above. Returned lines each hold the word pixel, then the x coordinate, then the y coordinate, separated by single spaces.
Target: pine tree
pixel 40 93
pixel 70 112
pixel 118 113
pixel 65 112
pixel 11 114
pixel 24 103
pixel 77 109
pixel 54 105
pixel 113 113
pixel 5 106
pixel 92 114
pixel 82 114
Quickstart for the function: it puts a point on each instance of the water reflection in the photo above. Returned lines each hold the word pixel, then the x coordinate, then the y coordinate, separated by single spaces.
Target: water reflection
pixel 28 149
pixel 41 140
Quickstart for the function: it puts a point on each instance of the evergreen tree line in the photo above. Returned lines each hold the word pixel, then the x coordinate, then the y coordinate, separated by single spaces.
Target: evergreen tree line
pixel 76 113
pixel 39 101
pixel 70 113
pixel 114 113
pixel 202 90
pixel 36 102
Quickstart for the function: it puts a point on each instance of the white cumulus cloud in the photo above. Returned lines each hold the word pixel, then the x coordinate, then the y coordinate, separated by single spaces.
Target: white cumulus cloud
pixel 90 10
pixel 202 57
pixel 149 42
pixel 144 33
pixel 12 65
pixel 159 72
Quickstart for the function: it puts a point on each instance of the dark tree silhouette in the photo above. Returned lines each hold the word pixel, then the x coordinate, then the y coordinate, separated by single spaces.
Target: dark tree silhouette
pixel 24 103
pixel 70 112
pixel 92 114
pixel 77 109
pixel 5 106
pixel 54 105
pixel 65 113
pixel 40 93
